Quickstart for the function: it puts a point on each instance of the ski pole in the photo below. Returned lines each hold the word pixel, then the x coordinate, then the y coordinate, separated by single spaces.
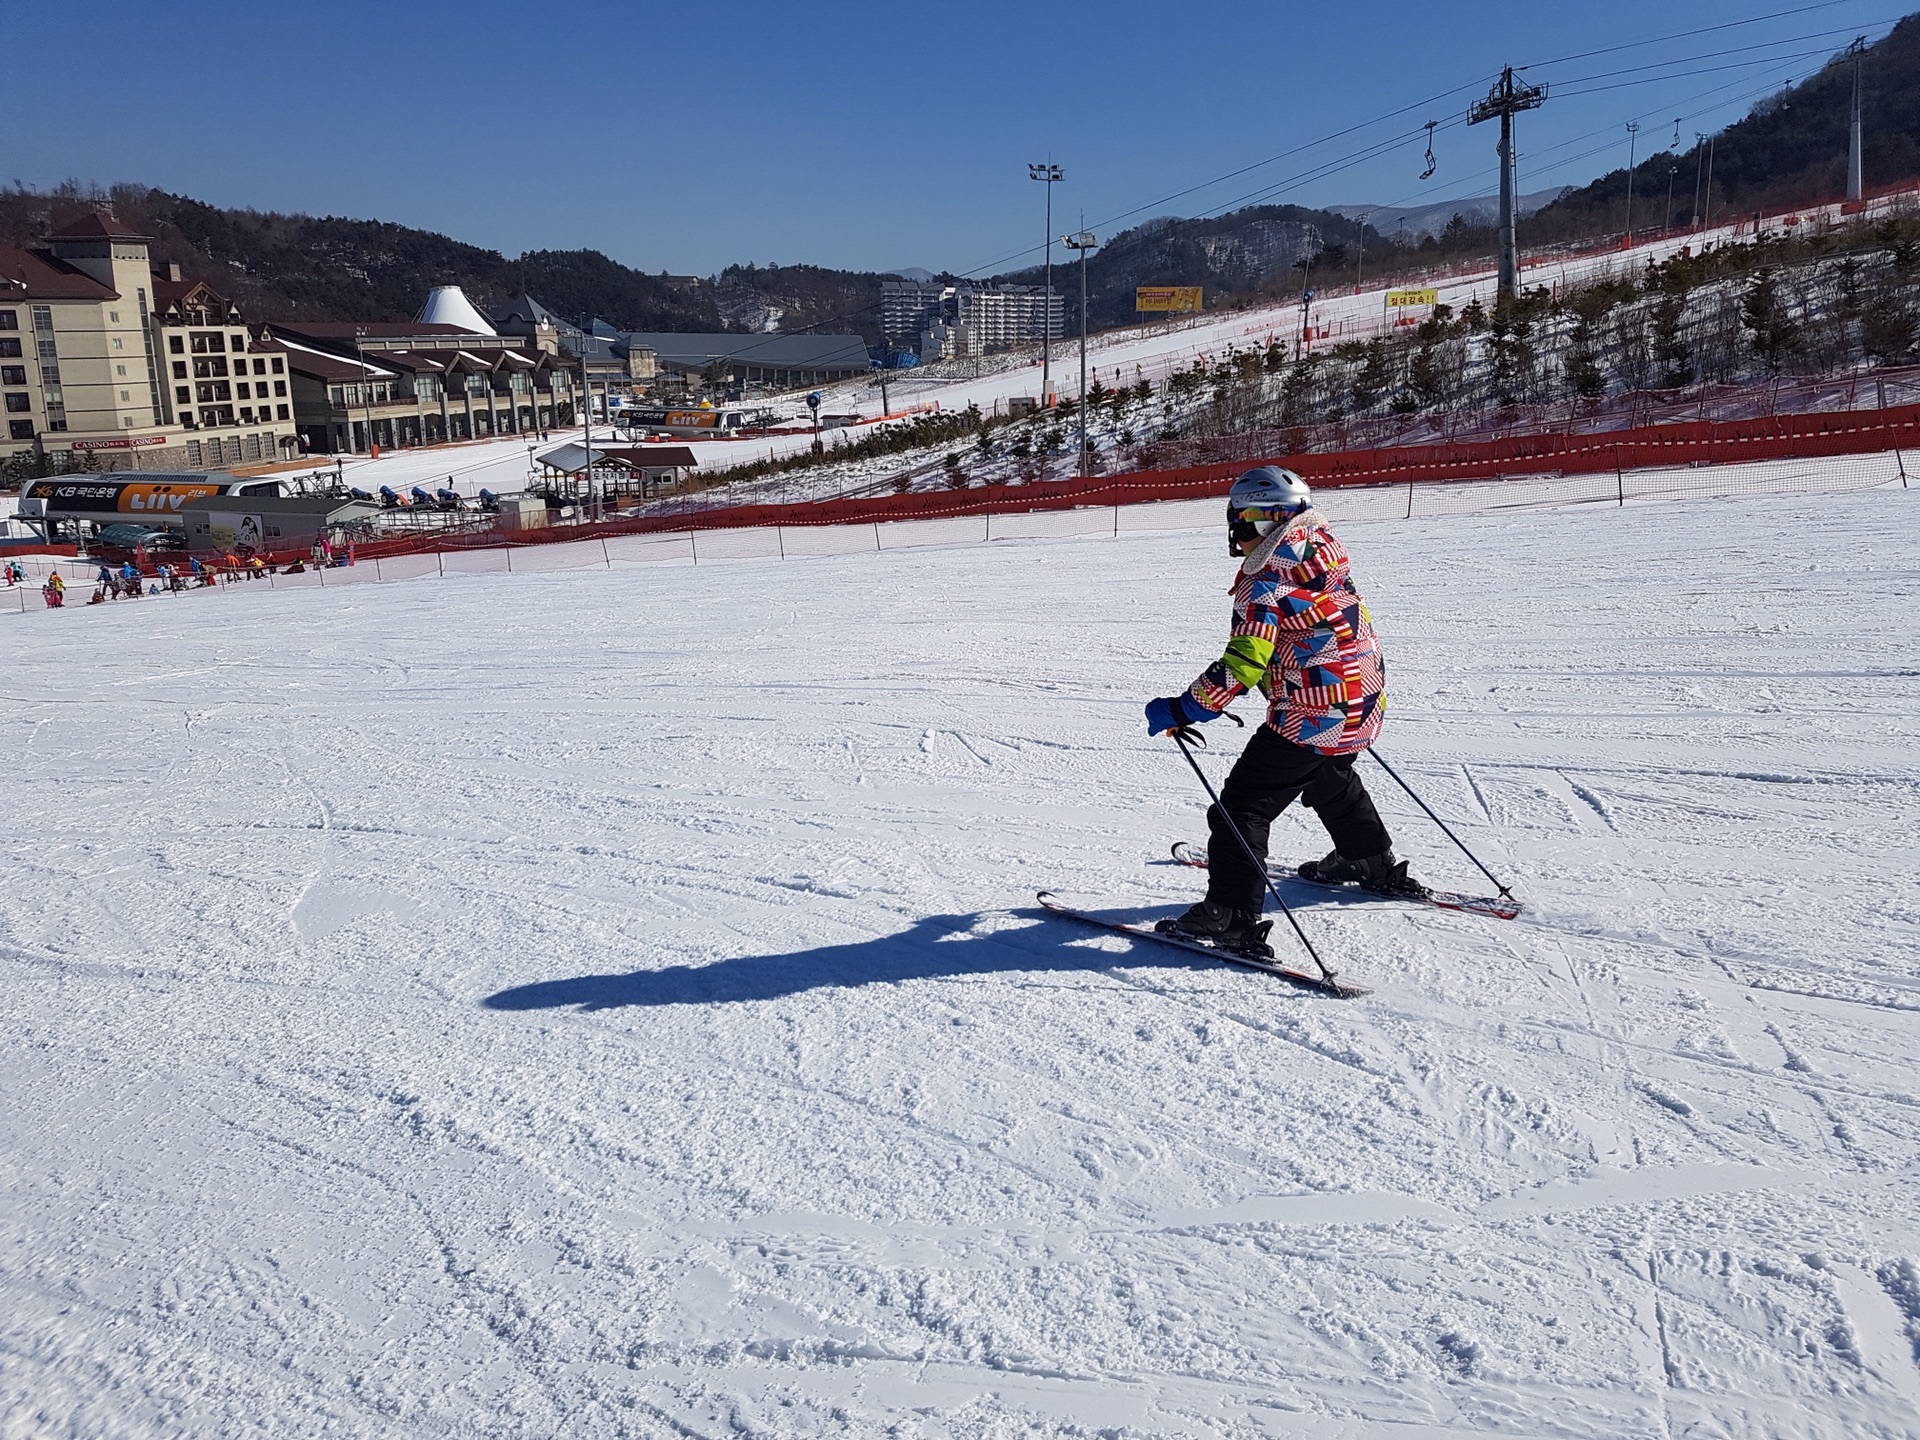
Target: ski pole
pixel 1181 736
pixel 1508 894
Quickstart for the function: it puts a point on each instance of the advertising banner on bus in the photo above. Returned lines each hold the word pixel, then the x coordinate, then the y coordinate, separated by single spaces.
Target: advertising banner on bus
pixel 67 495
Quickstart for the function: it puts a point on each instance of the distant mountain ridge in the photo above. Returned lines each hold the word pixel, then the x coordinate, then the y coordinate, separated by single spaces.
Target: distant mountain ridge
pixel 1424 220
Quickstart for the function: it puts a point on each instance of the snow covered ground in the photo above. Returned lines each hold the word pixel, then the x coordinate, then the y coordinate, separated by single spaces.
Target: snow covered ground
pixel 611 1003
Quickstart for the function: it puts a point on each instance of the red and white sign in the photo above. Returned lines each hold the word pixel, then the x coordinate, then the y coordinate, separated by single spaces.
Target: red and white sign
pixel 119 442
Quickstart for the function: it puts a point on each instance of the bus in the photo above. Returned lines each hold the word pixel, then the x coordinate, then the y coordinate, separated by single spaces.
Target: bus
pixel 695 422
pixel 71 507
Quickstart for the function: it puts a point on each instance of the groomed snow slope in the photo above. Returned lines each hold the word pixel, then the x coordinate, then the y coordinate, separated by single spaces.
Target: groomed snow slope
pixel 612 1004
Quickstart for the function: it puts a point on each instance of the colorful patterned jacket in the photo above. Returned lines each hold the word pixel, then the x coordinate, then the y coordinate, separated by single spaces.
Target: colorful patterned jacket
pixel 1302 635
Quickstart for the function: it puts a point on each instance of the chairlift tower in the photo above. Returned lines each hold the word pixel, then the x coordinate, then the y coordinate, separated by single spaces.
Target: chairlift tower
pixel 1858 49
pixel 1507 99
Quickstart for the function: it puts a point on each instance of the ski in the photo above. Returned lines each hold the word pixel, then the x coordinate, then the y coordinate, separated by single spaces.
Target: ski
pixel 1498 906
pixel 1306 981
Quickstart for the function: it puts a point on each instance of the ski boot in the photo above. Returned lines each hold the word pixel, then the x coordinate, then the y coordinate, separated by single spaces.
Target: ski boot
pixel 1211 923
pixel 1381 874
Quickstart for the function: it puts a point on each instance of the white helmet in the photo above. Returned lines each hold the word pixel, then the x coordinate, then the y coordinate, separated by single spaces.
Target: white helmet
pixel 1260 500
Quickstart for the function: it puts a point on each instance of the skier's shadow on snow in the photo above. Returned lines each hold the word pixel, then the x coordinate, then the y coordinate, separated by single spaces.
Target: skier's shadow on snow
pixel 937 947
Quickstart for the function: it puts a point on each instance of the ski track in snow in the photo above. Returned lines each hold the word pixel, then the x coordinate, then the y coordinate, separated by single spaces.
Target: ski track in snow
pixel 612 1004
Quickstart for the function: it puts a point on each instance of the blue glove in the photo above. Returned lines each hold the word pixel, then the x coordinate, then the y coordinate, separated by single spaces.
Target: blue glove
pixel 1176 711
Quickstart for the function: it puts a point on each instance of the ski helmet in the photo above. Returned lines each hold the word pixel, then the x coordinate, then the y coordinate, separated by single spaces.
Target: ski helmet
pixel 1260 500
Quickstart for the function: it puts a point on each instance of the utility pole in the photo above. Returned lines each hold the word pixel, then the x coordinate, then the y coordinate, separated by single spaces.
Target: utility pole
pixel 1360 258
pixel 1859 50
pixel 1673 169
pixel 1083 241
pixel 1050 175
pixel 1633 137
pixel 1507 99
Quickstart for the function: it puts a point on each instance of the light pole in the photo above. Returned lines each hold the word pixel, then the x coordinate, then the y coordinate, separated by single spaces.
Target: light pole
pixel 586 426
pixel 1305 262
pixel 1712 141
pixel 1633 138
pixel 1699 166
pixel 1049 175
pixel 1360 257
pixel 1083 241
pixel 366 384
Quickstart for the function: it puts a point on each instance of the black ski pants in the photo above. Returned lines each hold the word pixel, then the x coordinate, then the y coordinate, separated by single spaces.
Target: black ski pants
pixel 1271 773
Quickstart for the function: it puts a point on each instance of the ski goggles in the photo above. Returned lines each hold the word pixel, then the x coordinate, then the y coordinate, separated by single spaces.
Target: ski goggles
pixel 1244 522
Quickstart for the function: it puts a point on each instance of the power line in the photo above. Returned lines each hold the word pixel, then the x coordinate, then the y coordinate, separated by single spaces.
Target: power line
pixel 1849 30
pixel 1686 34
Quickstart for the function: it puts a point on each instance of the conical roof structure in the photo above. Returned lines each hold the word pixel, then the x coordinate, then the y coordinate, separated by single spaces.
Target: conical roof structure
pixel 448 305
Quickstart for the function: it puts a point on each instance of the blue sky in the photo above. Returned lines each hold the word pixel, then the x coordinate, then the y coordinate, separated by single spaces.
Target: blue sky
pixel 860 135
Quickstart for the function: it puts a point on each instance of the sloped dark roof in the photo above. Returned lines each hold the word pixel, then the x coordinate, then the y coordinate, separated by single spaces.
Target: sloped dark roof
pixel 35 275
pixel 95 226
pixel 774 352
pixel 526 309
pixel 373 329
pixel 324 365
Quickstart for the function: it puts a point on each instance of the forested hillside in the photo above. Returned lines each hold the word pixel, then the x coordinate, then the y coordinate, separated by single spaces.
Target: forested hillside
pixel 1790 150
pixel 308 268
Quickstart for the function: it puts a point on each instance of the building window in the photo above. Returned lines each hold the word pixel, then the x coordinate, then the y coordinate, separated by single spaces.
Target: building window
pixel 9 319
pixel 120 372
pixel 20 404
pixel 113 317
pixel 279 387
pixel 45 347
pixel 13 374
pixel 116 342
pixel 43 320
pixel 242 391
pixel 179 369
pixel 182 394
pixel 276 364
pixel 259 367
pixel 9 347
pixel 283 412
pixel 239 344
pixel 246 414
pixel 22 429
pixel 126 421
pixel 209 342
pixel 176 345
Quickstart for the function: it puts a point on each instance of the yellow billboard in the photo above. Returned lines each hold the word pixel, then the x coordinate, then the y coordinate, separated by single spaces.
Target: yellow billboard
pixel 1167 299
pixel 1398 299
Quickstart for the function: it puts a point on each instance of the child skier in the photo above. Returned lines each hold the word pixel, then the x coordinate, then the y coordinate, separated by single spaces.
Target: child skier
pixel 1302 636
